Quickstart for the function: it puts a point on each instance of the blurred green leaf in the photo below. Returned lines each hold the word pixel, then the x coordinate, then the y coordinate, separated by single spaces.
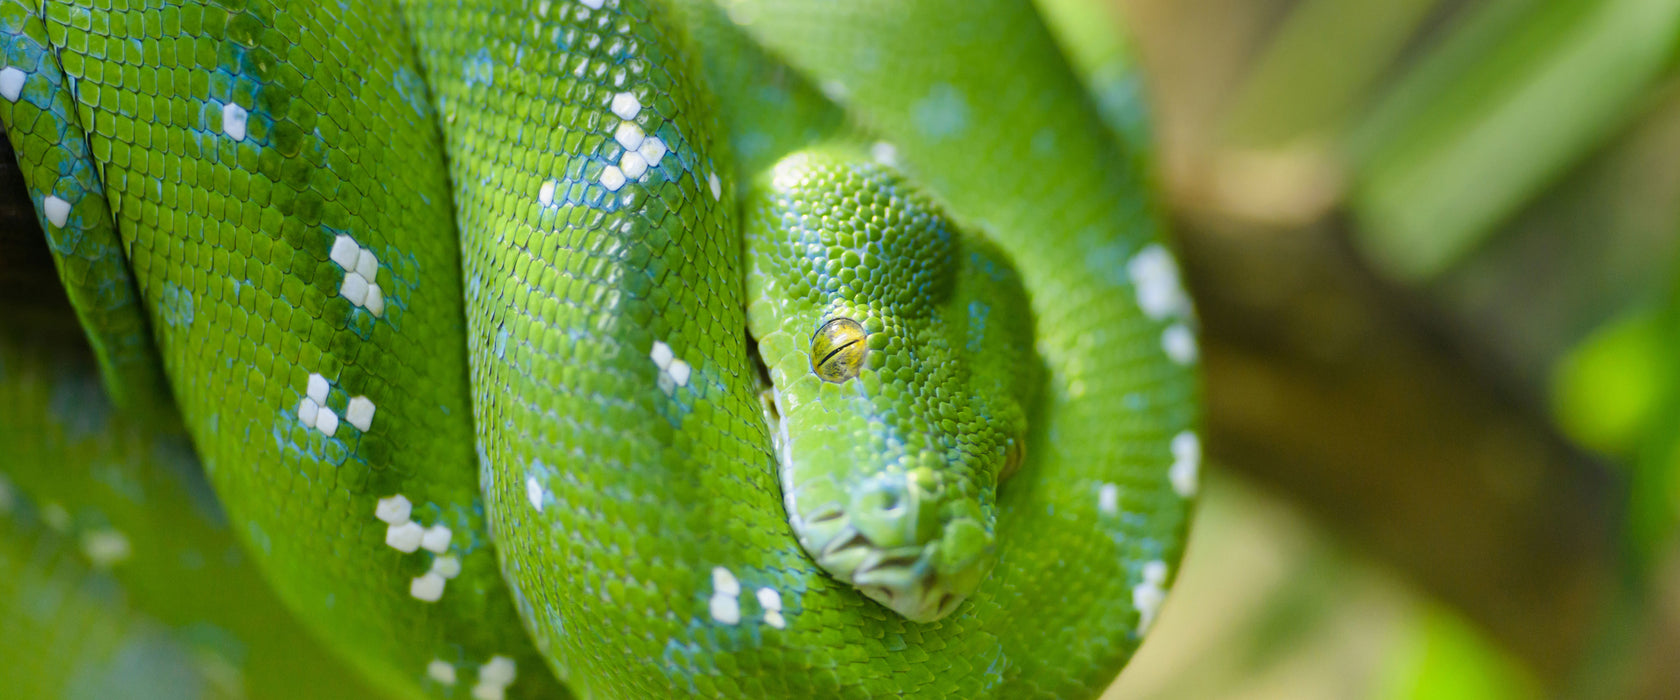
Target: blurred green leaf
pixel 1319 65
pixel 1447 659
pixel 1514 96
pixel 1605 392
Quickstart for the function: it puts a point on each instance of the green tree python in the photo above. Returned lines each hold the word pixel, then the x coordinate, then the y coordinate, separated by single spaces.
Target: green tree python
pixel 771 348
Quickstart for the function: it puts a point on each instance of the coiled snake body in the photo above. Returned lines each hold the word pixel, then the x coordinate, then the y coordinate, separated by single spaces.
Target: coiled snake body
pixel 774 349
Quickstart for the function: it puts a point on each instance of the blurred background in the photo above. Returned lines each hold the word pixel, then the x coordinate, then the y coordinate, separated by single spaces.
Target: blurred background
pixel 1432 244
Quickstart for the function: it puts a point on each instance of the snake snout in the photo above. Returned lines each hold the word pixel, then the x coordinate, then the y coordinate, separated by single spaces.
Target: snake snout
pixel 907 542
pixel 892 512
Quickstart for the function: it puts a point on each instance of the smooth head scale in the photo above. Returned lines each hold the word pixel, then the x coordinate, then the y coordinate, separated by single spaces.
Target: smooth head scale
pixel 900 362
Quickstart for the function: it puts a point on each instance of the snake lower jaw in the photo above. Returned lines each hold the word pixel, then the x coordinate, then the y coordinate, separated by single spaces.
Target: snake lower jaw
pixel 908 580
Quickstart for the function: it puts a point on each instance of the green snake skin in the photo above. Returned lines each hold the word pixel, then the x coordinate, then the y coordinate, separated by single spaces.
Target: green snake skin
pixel 764 348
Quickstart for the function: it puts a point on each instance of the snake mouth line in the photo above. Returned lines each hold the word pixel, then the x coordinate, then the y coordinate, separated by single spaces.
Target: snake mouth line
pixel 902 578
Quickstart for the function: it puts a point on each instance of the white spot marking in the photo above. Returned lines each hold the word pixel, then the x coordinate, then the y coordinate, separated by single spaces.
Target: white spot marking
pixel 1108 499
pixel 834 90
pixel 404 536
pixel 345 252
pixel 375 300
pixel 633 165
pixel 11 83
pixel 1155 274
pixel 653 150
pixel 307 410
pixel 629 135
pixel 592 4
pixel 1179 343
pixel 724 582
pixel 428 587
pixel 447 566
pixel 57 210
pixel 360 412
pixel 441 671
pixel 533 491
pixel 1148 595
pixel 725 609
pixel 494 677
pixel 884 153
pixel 771 601
pixel 393 509
pixel 612 178
pixel 233 121
pixel 626 106
pixel 1187 461
pixel 105 548
pixel 679 372
pixel 367 265
pixel 354 288
pixel 327 422
pixel 717 187
pixel 661 354
pixel 437 538
pixel 317 388
pixel 500 670
pixel 545 195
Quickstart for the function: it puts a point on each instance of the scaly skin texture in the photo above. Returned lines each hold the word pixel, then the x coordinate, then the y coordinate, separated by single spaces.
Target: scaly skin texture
pixel 268 163
pixel 52 151
pixel 547 195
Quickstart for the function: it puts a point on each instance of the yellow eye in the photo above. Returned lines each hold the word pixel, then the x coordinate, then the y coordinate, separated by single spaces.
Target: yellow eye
pixel 838 349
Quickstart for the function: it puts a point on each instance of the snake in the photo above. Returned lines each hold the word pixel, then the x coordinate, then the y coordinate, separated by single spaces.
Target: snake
pixel 605 348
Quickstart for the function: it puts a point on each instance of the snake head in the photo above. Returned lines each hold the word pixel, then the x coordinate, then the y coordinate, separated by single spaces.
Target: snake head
pixel 898 357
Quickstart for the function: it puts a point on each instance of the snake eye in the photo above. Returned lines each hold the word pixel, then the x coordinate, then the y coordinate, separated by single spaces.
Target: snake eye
pixel 838 349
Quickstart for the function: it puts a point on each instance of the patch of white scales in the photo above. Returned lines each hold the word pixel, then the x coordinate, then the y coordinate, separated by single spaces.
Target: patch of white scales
pixel 312 410
pixel 673 372
pixel 545 194
pixel 884 153
pixel 716 187
pixel 105 548
pixel 726 591
pixel 1161 296
pixel 642 152
pixel 1179 343
pixel 1148 594
pixel 593 4
pixel 1154 274
pixel 1187 461
pixel 11 83
pixel 1108 499
pixel 771 601
pixel 361 275
pixel 234 120
pixel 494 677
pixel 441 671
pixel 534 492
pixel 57 210
pixel 407 536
